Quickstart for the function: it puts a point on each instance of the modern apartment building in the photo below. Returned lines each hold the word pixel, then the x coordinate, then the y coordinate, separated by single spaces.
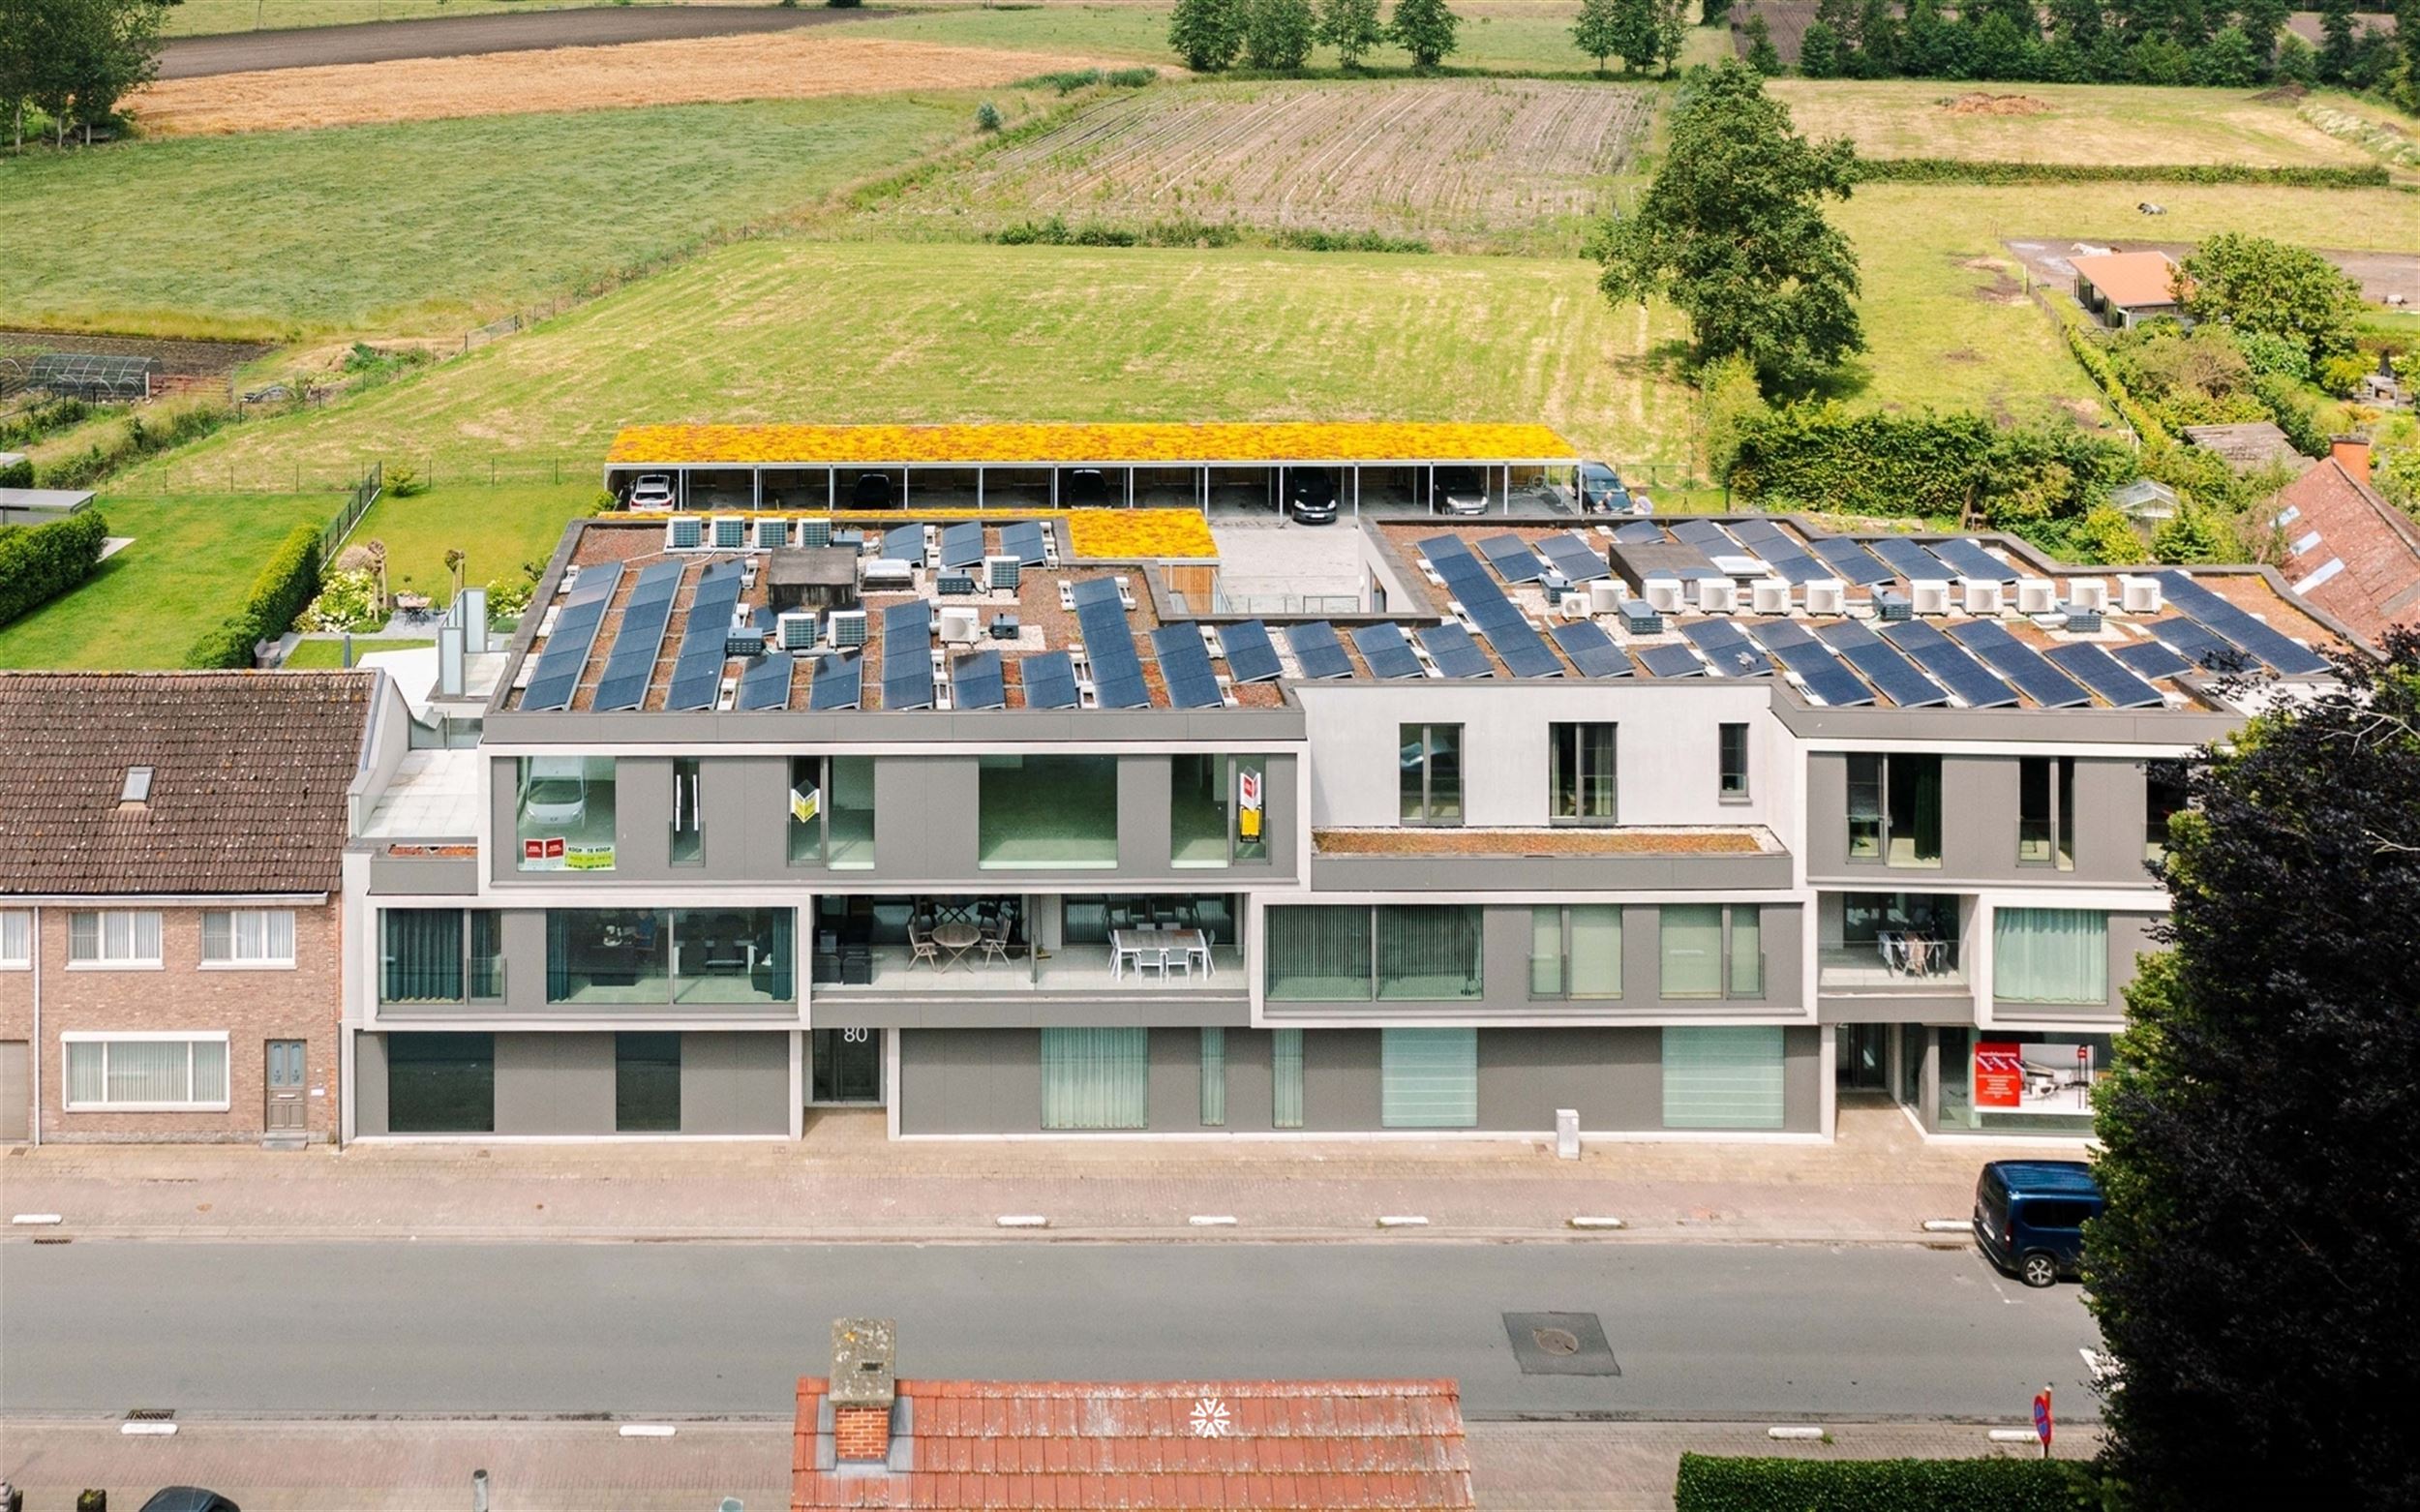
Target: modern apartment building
pixel 1014 822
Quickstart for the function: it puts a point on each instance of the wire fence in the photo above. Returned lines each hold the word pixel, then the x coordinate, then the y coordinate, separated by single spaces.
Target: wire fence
pixel 357 503
pixel 252 476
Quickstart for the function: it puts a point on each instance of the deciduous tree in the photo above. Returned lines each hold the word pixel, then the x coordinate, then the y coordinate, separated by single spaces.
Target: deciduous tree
pixel 1763 56
pixel 1351 27
pixel 2259 285
pixel 1598 30
pixel 1278 34
pixel 1207 34
pixel 1819 51
pixel 1425 29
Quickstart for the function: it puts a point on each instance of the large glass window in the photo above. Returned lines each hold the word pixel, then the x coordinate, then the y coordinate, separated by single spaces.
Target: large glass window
pixel 1575 951
pixel 1894 810
pixel 1331 953
pixel 832 812
pixel 2050 956
pixel 1427 953
pixel 16 939
pixel 1723 1077
pixel 1318 953
pixel 420 956
pixel 1429 1078
pixel 688 819
pixel 707 956
pixel 1430 766
pixel 248 937
pixel 486 955
pixel 2163 798
pixel 1218 809
pixel 563 813
pixel 1712 950
pixel 441 1083
pixel 1214 1078
pixel 145 1072
pixel 1096 1078
pixel 1285 1070
pixel 1047 812
pixel 2046 811
pixel 647 1083
pixel 1732 785
pixel 113 937
pixel 1580 773
pixel 1744 969
pixel 2017 1082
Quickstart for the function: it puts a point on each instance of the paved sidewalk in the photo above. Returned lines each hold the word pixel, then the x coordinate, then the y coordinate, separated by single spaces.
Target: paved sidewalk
pixel 554 1466
pixel 1878 1183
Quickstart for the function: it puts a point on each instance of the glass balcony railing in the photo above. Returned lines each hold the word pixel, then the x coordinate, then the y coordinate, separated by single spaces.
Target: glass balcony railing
pixel 1892 961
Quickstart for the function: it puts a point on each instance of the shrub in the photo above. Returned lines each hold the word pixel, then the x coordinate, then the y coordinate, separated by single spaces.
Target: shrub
pixel 40 562
pixel 2108 537
pixel 842 5
pixel 143 435
pixel 2269 354
pixel 285 582
pixel 18 473
pixel 509 598
pixel 403 481
pixel 42 419
pixel 1131 78
pixel 346 601
pixel 2341 375
pixel 987 117
pixel 1708 1483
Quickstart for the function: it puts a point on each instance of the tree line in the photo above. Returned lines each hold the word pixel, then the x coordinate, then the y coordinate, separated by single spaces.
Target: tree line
pixel 1277 35
pixel 74 60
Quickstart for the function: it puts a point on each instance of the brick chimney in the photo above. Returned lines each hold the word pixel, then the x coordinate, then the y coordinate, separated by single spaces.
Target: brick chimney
pixel 864 1389
pixel 2352 454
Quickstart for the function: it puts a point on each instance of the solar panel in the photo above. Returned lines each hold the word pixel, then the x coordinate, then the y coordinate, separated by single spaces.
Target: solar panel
pixel 2151 659
pixel 1387 653
pixel 1968 559
pixel 839 681
pixel 962 544
pixel 2198 645
pixel 1117 671
pixel 1883 666
pixel 907 662
pixel 1591 649
pixel 1523 651
pixel 1096 590
pixel 553 680
pixel 1756 534
pixel 1023 541
pixel 1850 561
pixel 2097 670
pixel 977 682
pixel 904 543
pixel 1185 666
pixel 1574 559
pixel 1910 561
pixel 1969 680
pixel 1250 657
pixel 1512 557
pixel 1455 653
pixel 1438 548
pixel 1672 661
pixel 660 582
pixel 2039 680
pixel 2240 627
pixel 1797 566
pixel 1317 652
pixel 1726 649
pixel 1050 681
pixel 1827 681
pixel 1640 532
pixel 766 685
pixel 1705 535
pixel 640 639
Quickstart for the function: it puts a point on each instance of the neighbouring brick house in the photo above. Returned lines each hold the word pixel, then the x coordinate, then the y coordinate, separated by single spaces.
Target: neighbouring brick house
pixel 171 867
pixel 2353 554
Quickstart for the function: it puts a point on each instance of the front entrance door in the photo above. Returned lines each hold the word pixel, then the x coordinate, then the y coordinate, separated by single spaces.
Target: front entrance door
pixel 1861 1065
pixel 284 1113
pixel 848 1066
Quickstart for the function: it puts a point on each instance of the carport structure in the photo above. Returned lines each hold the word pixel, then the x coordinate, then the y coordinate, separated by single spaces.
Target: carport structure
pixel 1389 464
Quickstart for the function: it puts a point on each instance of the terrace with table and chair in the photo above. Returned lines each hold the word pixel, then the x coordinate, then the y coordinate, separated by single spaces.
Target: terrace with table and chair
pixel 1047 943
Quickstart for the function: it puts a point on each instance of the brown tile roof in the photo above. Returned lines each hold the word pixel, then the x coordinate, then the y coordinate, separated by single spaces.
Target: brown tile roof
pixel 249 773
pixel 1260 1446
pixel 2245 446
pixel 2354 555
pixel 2131 279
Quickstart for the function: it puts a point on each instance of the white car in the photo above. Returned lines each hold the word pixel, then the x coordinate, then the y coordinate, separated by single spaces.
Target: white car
pixel 652 491
pixel 558 794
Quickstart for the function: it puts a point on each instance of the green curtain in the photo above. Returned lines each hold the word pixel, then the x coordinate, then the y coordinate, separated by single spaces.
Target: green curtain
pixel 1286 1062
pixel 1214 1078
pixel 1596 950
pixel 1427 953
pixel 1429 1078
pixel 2050 956
pixel 423 956
pixel 1747 951
pixel 1319 954
pixel 1096 1078
pixel 1722 1078
pixel 1546 953
pixel 1693 950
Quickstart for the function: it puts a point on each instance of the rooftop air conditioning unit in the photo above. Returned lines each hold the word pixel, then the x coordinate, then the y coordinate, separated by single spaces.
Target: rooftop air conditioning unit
pixel 887 574
pixel 848 627
pixel 684 533
pixel 1929 597
pixel 795 632
pixel 2036 595
pixel 2082 619
pixel 1663 595
pixel 960 584
pixel 815 532
pixel 729 533
pixel 2091 593
pixel 1000 573
pixel 1605 595
pixel 961 628
pixel 1892 608
pixel 1983 597
pixel 744 639
pixel 2141 595
pixel 770 534
pixel 1574 606
pixel 1717 595
pixel 1769 597
pixel 1826 596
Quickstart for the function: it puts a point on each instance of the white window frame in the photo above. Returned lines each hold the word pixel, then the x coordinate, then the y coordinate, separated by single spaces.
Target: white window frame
pixel 185 1036
pixel 16 939
pixel 241 962
pixel 100 939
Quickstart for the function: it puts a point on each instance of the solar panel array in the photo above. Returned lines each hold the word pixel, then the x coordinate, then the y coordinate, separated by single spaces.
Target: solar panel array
pixel 839 681
pixel 1385 652
pixel 631 664
pixel 1828 681
pixel 1968 559
pixel 1896 678
pixel 1185 667
pixel 2104 675
pixel 1455 653
pixel 766 685
pixel 557 675
pixel 1117 671
pixel 1574 559
pixel 1672 661
pixel 1250 657
pixel 1969 680
pixel 907 655
pixel 1910 561
pixel 1050 681
pixel 1851 563
pixel 697 672
pixel 2240 629
pixel 2019 663
pixel 1727 649
pixel 1511 557
pixel 1317 652
pixel 977 681
pixel 1591 649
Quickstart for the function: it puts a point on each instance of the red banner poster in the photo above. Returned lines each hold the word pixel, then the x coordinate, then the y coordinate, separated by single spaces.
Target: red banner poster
pixel 1999 1075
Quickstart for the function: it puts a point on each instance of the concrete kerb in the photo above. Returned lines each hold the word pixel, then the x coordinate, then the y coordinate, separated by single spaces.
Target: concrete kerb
pixel 1171 1233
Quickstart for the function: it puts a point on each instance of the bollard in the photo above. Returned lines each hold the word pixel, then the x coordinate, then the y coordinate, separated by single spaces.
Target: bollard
pixel 478 1491
pixel 1567 1133
pixel 734 1504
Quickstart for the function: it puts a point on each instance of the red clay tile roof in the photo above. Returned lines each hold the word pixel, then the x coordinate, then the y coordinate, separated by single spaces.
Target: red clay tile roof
pixel 1255 1445
pixel 249 773
pixel 2364 564
pixel 2131 279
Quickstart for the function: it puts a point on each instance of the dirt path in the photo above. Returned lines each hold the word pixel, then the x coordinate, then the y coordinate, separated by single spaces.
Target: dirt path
pixel 2378 273
pixel 384 42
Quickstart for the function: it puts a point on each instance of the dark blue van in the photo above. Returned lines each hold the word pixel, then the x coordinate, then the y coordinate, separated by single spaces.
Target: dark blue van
pixel 2029 1217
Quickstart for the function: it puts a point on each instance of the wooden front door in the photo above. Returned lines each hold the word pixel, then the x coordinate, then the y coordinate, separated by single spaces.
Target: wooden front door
pixel 285 1112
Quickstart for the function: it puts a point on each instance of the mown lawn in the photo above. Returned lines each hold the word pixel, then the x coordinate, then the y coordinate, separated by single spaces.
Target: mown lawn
pixel 191 559
pixel 421 228
pixel 500 527
pixel 2103 124
pixel 319 655
pixel 200 18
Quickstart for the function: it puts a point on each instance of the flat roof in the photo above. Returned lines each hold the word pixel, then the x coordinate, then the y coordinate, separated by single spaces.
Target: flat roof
pixel 66 501
pixel 2134 280
pixel 1226 443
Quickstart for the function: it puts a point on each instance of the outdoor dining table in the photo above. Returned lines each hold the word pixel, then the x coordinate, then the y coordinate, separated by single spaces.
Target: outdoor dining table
pixel 1168 941
pixel 957 938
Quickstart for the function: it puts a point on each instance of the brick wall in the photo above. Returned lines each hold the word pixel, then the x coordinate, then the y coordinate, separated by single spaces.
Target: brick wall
pixel 251 1006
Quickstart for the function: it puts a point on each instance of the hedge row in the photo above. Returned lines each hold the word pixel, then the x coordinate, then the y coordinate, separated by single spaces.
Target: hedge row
pixel 1960 170
pixel 1827 458
pixel 2104 376
pixel 40 562
pixel 286 581
pixel 1711 1484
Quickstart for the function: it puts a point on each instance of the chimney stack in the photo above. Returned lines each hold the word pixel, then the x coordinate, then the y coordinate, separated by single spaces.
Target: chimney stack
pixel 2352 454
pixel 862 1388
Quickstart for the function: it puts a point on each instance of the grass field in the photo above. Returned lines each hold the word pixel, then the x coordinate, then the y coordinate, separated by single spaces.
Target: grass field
pixel 2075 123
pixel 1485 163
pixel 191 559
pixel 425 228
pixel 500 528
pixel 204 17
pixel 957 331
pixel 322 656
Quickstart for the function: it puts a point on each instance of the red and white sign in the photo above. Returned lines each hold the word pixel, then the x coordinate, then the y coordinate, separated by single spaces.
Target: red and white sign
pixel 542 850
pixel 2054 1077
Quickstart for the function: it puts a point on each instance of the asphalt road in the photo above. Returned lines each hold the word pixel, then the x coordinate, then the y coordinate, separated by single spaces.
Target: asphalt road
pixel 1702 1330
pixel 457 36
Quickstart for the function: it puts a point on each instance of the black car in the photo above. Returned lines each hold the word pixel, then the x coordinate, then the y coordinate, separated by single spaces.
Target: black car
pixel 188 1499
pixel 1085 488
pixel 1311 496
pixel 1601 491
pixel 873 491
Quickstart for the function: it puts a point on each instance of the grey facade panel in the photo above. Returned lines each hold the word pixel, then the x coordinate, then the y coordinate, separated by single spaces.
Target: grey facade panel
pixel 1175 1080
pixel 369 1088
pixel 554 1083
pixel 1803 1080
pixel 1251 1080
pixel 1979 825
pixel 2064 726
pixel 1339 1081
pixel 1466 874
pixel 1913 1008
pixel 969 1081
pixel 734 1083
pixel 1145 838
pixel 927 811
pixel 1612 1076
pixel 423 876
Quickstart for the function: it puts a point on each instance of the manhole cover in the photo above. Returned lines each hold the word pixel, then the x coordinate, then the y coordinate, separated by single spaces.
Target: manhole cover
pixel 1559 1344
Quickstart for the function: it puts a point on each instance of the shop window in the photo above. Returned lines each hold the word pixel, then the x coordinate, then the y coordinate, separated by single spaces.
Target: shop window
pixel 2017 1082
pixel 441 1083
pixel 1047 812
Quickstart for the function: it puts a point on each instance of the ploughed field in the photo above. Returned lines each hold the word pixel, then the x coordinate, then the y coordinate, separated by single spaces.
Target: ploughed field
pixel 1456 160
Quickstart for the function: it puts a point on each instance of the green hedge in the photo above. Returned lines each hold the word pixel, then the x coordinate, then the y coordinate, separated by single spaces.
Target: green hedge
pixel 1960 170
pixel 285 582
pixel 1711 1484
pixel 40 562
pixel 17 474
pixel 2104 376
pixel 1824 457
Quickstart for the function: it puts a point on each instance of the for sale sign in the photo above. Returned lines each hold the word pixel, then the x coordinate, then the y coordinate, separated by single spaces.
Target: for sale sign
pixel 2049 1077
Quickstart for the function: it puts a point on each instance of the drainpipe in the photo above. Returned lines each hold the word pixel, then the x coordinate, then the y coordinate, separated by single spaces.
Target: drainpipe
pixel 36 1045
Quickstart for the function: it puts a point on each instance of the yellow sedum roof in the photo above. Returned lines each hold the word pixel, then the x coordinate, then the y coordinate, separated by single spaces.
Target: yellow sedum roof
pixel 1140 535
pixel 966 445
